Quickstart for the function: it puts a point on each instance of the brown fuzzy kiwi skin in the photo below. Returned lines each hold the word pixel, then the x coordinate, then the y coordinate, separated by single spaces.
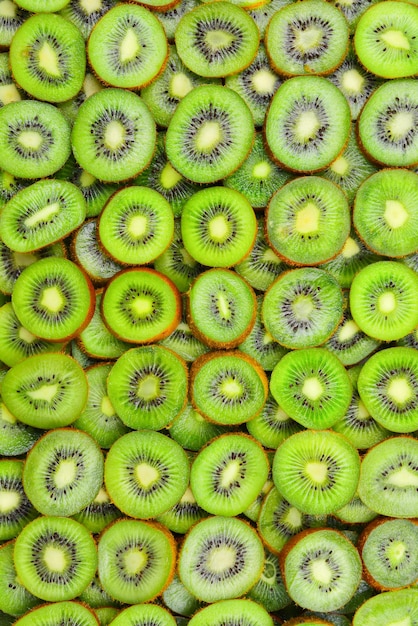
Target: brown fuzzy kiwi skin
pixel 220 345
pixel 364 535
pixel 41 606
pixel 178 307
pixel 200 361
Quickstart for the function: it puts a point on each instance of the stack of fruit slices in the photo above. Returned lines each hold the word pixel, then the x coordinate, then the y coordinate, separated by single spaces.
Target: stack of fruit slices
pixel 208 313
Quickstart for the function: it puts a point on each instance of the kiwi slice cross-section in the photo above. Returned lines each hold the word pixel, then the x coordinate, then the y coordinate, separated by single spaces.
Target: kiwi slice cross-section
pixel 397 606
pixel 8 90
pixel 88 254
pixel 95 517
pixel 278 521
pixel 210 134
pixel 86 13
pixel 192 431
pixel 143 614
pixel 66 613
pixel 272 426
pixel 183 515
pixel 16 510
pixel 146 473
pixel 243 611
pixel 14 598
pixel 12 17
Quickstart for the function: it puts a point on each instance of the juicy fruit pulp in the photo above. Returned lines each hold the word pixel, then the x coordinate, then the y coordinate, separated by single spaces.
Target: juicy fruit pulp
pixel 183 312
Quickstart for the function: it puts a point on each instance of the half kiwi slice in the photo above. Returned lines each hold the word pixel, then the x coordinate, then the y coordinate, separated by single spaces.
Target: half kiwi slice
pixel 16 510
pixel 59 613
pixel 397 606
pixel 244 612
pixel 143 614
pixel 14 598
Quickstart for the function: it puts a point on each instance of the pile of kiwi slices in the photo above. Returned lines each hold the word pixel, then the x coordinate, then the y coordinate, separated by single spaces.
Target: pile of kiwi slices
pixel 208 312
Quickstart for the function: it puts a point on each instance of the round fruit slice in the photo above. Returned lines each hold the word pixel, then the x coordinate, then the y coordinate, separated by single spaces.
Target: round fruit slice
pixel 59 613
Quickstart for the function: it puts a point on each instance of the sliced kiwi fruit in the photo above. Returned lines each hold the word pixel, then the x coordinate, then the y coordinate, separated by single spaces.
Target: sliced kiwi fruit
pixel 38 6
pixel 146 473
pixel 35 137
pixel 270 590
pixel 9 185
pixel 300 217
pixel 385 39
pixel 387 126
pixel 272 426
pixel 48 58
pixel 385 214
pixel 396 606
pixel 184 343
pixel 54 299
pixel 88 254
pixel 113 136
pixel 216 39
pixel 355 512
pixel 11 18
pixel 211 132
pixel 183 515
pixel 388 477
pixel 86 13
pixel 55 558
pixel 147 387
pixel 244 612
pixel 8 90
pixel 59 612
pixel 316 471
pixel 321 568
pixel 192 431
pixel 136 560
pixel 170 17
pixel 308 38
pixel 221 558
pixel 127 47
pixel 95 517
pixel 278 521
pixel 95 596
pixel 16 510
pixel 16 437
pixel 176 263
pixel 307 124
pixel 143 614
pixel 14 598
pixel 383 299
pixel 39 390
pixel 228 387
pixel 179 600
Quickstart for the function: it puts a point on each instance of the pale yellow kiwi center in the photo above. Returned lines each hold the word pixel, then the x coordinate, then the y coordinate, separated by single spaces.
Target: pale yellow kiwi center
pixel 263 81
pixel 142 306
pixel 106 407
pixel 229 474
pixel 188 497
pixel 30 139
pixel 146 475
pixel 52 299
pixel 218 39
pixel 137 226
pixel 90 6
pixel 262 169
pixel 25 335
pixel 102 497
pixel 340 166
pixel 395 213
pixel 308 38
pixel 42 215
pixel 8 8
pixel 317 471
pixel 387 302
pixel 221 559
pixel 396 39
pixel 306 126
pixel 406 621
pixel 91 85
pixel 348 330
pixel 269 573
pixel 129 46
pixel 65 473
pixel 169 177
pixel 219 228
pixel 307 219
pixel 269 255
pixel 350 249
pixel 55 559
pixel 293 517
pixel 396 551
pixel 135 560
pixel 86 179
pixel 9 93
pixel 362 412
pixel 45 392
pixel 312 388
pixel 48 60
pixel 352 81
pixel 223 306
pixel 9 501
pixel 5 414
pixel 399 124
pixel 180 85
pixel 148 388
pixel 403 477
pixel 280 415
pixel 114 135
pixel 231 388
pixel 208 136
pixel 321 571
pixel 302 307
pixel 399 390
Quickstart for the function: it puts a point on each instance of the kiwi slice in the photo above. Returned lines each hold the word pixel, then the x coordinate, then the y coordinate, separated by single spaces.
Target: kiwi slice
pixel 221 308
pixel 99 418
pixel 218 227
pixel 63 472
pixel 86 13
pixel 127 47
pixel 65 613
pixel 146 473
pixel 258 177
pixel 38 6
pixel 300 217
pixel 383 299
pixel 95 596
pixel 302 308
pixel 256 84
pixel 396 606
pixel 387 126
pixel 244 612
pixel 278 521
pixel 322 569
pixel 388 550
pixel 385 39
pixel 11 18
pixel 272 425
pixel 136 225
pixel 88 254
pixel 42 214
pixel 113 136
pixel 307 124
pixel 316 471
pixel 385 214
pixel 312 386
pixel 355 512
pixel 264 11
pixel 95 517
pixel 216 39
pixel 228 387
pixel 144 614
pixel 16 437
pixel 183 515
pixel 389 477
pixel 270 590
pixel 39 390
pixel 308 38
pixel 35 139
pixel 106 614
pixel 388 386
pixel 176 263
pixel 221 558
pixel 179 600
pixel 211 131
pixel 14 598
pixel 228 473
pixel 192 431
pixel 8 90
pixel 48 58
pixel 16 510
pixel 136 560
pixel 170 17
pixel 140 305
pixel 184 343
pixel 9 185
pixel 53 299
